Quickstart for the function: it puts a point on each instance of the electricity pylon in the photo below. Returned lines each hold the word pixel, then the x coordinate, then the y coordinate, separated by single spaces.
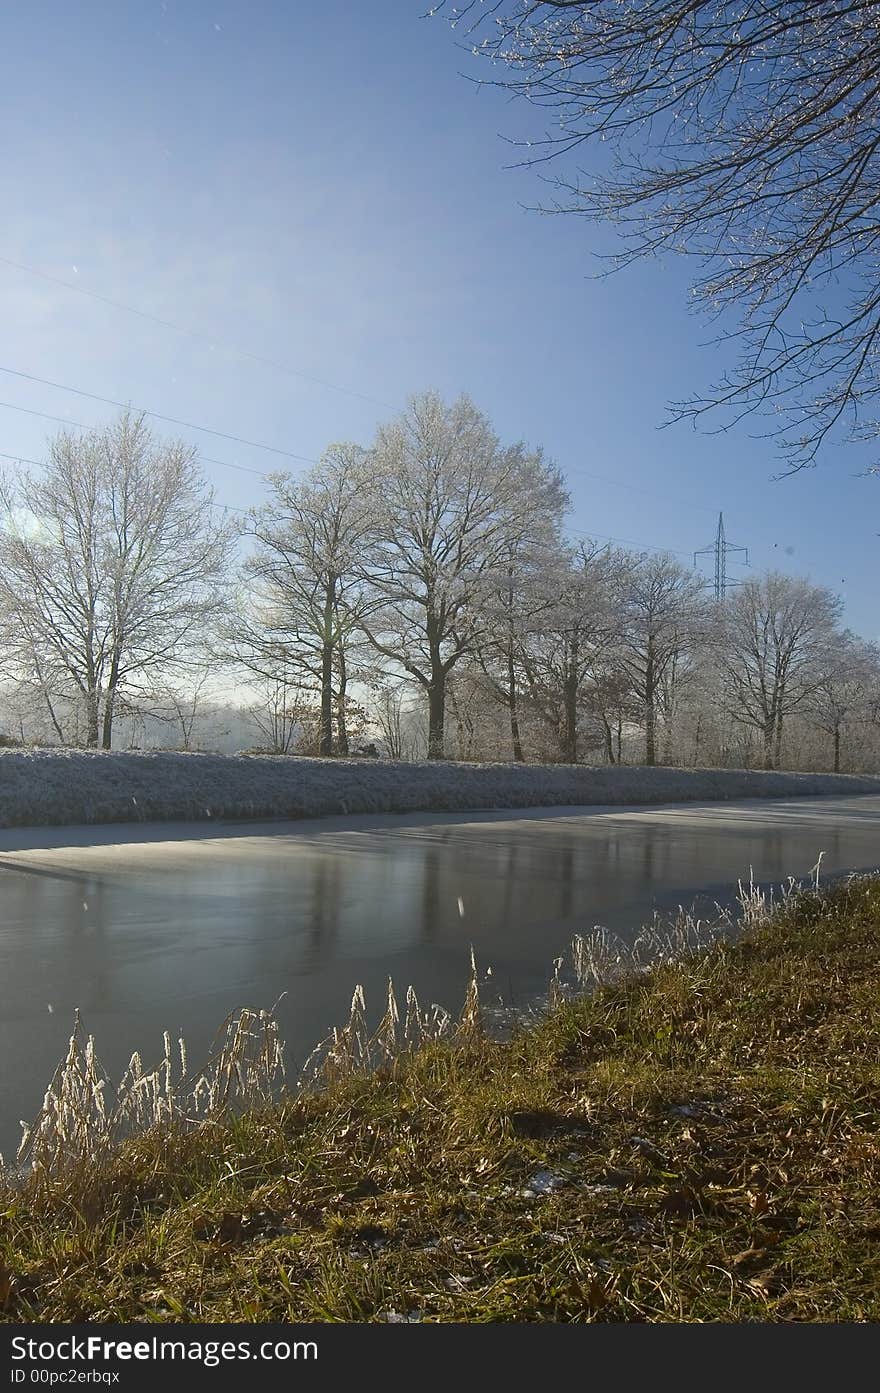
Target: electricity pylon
pixel 721 548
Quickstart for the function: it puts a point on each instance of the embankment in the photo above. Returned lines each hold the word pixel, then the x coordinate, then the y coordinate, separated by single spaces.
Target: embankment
pixel 63 787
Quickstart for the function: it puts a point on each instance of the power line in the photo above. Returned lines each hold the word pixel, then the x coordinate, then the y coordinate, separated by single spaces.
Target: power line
pixel 575 532
pixel 210 339
pixel 21 459
pixel 28 411
pixel 601 478
pixel 289 454
pixel 264 474
pixel 281 367
pixel 247 469
pixel 214 503
pixel 637 488
pixel 242 468
pixel 63 420
pixel 157 415
pixel 234 508
pixel 227 464
pixel 626 542
pixel 581 473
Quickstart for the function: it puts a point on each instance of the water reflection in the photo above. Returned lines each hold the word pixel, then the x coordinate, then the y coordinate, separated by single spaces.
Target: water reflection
pixel 168 934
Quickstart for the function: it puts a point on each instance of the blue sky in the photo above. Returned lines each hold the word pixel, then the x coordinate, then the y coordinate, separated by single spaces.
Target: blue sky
pixel 319 186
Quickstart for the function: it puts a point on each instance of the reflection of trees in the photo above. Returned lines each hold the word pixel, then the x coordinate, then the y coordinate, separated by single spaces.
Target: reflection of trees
pixel 430 894
pixel 510 881
pixel 68 913
pixel 648 857
pixel 566 878
pixel 90 920
pixel 324 917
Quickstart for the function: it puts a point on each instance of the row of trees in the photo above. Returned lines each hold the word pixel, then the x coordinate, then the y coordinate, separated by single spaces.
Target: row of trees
pixel 430 573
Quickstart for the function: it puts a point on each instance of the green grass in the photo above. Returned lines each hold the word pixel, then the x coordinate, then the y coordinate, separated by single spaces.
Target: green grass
pixel 711 1127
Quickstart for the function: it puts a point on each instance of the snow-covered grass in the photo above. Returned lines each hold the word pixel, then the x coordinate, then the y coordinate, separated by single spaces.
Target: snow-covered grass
pixel 63 787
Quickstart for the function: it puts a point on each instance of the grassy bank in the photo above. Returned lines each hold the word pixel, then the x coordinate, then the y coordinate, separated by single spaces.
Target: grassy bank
pixel 699 1143
pixel 65 787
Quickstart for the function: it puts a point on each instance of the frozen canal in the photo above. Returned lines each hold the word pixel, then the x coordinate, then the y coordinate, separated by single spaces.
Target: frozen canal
pixel 173 926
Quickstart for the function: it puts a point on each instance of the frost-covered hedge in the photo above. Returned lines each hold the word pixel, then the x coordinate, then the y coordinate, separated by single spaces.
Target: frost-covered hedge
pixel 39 787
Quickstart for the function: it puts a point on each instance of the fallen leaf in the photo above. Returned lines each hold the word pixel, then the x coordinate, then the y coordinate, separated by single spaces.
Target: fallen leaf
pixel 749 1255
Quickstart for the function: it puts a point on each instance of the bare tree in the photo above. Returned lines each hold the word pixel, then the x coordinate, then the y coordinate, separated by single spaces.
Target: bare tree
pixel 307 564
pixel 111 566
pixel 849 673
pixel 284 713
pixel 187 704
pixel 776 632
pixel 181 700
pixel 611 699
pixel 387 709
pixel 524 596
pixel 37 716
pixel 450 499
pixel 561 652
pixel 663 612
pixel 746 135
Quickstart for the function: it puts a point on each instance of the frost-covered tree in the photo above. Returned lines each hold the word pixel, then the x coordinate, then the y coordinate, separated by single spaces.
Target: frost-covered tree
pixel 566 644
pixel 774 639
pixel 111 568
pixel 664 614
pixel 450 501
pixel 523 601
pixel 307 593
pixel 849 676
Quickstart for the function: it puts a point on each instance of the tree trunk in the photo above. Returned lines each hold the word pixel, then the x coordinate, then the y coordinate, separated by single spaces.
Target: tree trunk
pixel 436 715
pixel 837 747
pixel 92 719
pixel 769 728
pixel 650 733
pixel 325 737
pixel 777 757
pixel 109 703
pixel 464 733
pixel 341 724
pixel 650 712
pixel 668 744
pixel 570 695
pixel 436 685
pixel 47 697
pixel 514 709
pixel 609 740
pixel 52 717
pixel 107 726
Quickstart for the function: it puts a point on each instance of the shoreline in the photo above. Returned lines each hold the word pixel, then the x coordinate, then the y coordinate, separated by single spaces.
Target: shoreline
pixel 697 1142
pixel 45 788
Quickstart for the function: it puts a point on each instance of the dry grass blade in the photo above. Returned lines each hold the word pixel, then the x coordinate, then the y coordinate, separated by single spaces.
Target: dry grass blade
pixel 470 1022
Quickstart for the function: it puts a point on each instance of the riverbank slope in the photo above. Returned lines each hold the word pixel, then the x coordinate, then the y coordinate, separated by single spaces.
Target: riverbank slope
pixel 696 1143
pixel 65 787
